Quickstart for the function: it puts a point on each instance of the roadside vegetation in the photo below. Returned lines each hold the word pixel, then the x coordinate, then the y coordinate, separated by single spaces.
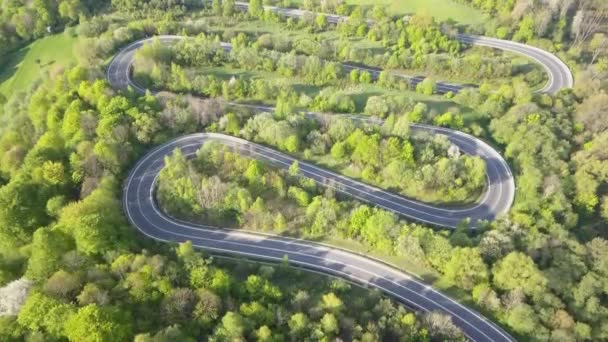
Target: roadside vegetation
pixel 386 156
pixel 222 188
pixel 67 143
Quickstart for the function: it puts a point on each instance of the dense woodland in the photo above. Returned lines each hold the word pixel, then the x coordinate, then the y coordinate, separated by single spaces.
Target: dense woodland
pixel 67 143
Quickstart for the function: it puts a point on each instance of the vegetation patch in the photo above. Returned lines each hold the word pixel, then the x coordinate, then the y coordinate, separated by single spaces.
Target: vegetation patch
pixel 50 55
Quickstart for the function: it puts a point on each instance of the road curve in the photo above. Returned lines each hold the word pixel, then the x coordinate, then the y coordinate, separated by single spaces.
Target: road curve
pixel 559 74
pixel 142 211
pixel 494 202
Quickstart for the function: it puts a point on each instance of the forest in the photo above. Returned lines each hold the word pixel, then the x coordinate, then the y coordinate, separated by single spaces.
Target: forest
pixel 68 253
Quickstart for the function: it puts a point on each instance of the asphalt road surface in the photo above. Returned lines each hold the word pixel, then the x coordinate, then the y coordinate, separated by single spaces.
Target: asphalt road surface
pixel 142 211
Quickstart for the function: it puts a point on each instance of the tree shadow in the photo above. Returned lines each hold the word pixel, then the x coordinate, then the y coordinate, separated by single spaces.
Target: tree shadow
pixel 524 68
pixel 229 74
pixel 13 60
pixel 51 62
pixel 308 89
pixel 360 99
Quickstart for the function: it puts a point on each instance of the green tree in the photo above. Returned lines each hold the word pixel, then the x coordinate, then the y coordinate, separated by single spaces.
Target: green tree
pixel 330 324
pixel 48 247
pixel 228 7
pixel 20 214
pixel 427 87
pixel 294 168
pixel 232 326
pixel 466 268
pixel 518 271
pixel 264 334
pixel 42 312
pixel 365 77
pixel 62 284
pixel 523 319
pixel 94 323
pixel 256 8
pixel 178 305
pixel 71 10
pixel 332 303
pixel 257 313
pixel 169 334
pixel 216 7
pixel 298 325
pixel 208 307
pixel 96 222
pixel 299 195
pixel 321 21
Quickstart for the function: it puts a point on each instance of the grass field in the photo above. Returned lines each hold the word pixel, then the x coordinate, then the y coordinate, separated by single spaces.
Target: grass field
pixel 25 65
pixel 440 9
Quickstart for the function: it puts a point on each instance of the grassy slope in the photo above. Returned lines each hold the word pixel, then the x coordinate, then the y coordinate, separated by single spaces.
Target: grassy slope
pixel 22 70
pixel 440 9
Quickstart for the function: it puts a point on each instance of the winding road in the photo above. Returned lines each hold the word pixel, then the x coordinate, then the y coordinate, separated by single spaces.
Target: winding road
pixel 142 211
pixel 559 74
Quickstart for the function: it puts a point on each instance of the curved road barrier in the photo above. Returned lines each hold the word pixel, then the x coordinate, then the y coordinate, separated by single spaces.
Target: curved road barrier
pixel 142 211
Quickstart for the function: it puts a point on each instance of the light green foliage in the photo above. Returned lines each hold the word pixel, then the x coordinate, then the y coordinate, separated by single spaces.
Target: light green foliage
pixel 523 320
pixel 333 100
pixel 427 87
pixel 518 271
pixel 294 169
pixel 526 29
pixel 298 325
pixel 322 213
pixel 95 223
pixel 260 288
pixel 299 195
pixel 378 228
pixel 255 8
pixel 208 308
pixel 232 326
pixel 329 324
pixel 177 190
pixel 256 312
pixel 486 297
pixel 449 119
pixel 94 323
pixel 42 312
pixel 264 334
pixel 18 214
pixel 466 268
pixel 228 8
pixel 48 247
pixel 332 303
